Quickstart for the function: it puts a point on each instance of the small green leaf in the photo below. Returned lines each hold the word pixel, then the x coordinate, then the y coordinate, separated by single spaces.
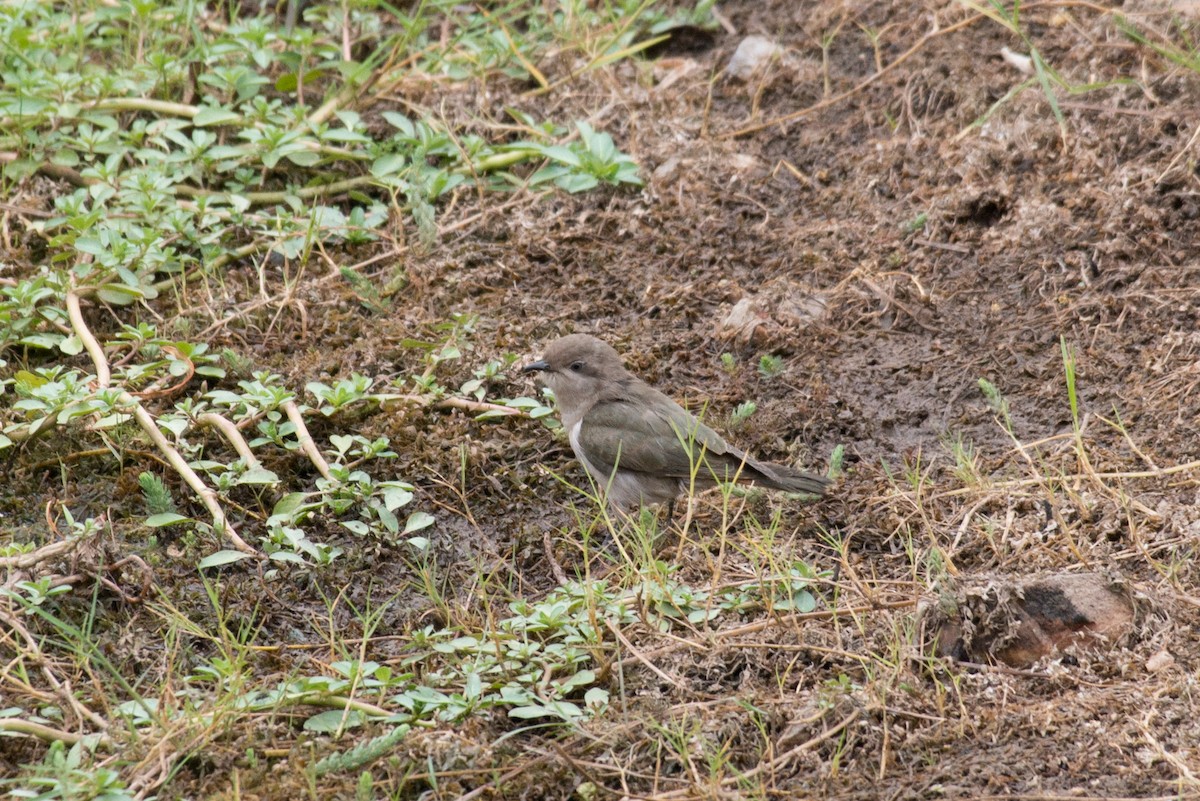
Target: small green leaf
pixel 334 720
pixel 596 697
pixel 398 120
pixel 580 679
pixel 258 476
pixel 45 341
pixel 166 519
pixel 388 519
pixel 387 165
pixel 222 558
pixel 289 503
pixel 214 115
pixel 395 497
pixel 27 381
pixel 805 602
pixel 118 294
pixel 304 158
pixel 529 712
pixel 418 521
pixel 90 245
pixel 562 154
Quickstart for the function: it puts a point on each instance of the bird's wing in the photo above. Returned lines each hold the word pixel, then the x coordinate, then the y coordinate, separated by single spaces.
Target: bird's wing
pixel 650 434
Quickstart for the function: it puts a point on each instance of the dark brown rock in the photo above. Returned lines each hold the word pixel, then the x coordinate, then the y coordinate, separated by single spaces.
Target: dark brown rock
pixel 1018 624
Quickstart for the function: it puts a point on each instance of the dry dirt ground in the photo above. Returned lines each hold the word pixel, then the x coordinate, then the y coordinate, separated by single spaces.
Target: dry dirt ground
pixel 892 256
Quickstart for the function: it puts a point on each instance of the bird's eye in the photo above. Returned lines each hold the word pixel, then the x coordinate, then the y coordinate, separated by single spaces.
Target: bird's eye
pixel 576 367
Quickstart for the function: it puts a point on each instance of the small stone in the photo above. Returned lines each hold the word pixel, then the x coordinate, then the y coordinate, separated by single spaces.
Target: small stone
pixel 752 53
pixel 741 322
pixel 1018 61
pixel 1160 661
pixel 777 311
pixel 667 172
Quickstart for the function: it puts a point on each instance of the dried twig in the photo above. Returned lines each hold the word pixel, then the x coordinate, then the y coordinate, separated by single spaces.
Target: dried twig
pixel 639 656
pixel 23 561
pixel 62 688
pixel 555 567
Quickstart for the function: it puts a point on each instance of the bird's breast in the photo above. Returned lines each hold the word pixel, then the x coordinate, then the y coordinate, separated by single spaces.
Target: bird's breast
pixel 573 436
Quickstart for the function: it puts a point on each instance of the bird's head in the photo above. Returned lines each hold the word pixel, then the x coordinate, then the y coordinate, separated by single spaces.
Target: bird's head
pixel 580 370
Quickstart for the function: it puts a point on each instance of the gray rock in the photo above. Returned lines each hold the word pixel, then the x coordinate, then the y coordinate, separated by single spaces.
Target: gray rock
pixel 752 54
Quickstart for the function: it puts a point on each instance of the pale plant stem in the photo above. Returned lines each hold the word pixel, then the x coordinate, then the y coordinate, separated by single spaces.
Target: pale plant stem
pixel 305 439
pixel 207 496
pixel 231 433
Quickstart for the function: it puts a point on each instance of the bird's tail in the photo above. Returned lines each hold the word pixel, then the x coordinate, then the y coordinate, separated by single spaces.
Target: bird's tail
pixel 788 479
pixel 734 465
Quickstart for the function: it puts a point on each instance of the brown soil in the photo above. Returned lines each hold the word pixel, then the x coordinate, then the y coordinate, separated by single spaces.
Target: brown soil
pixel 1031 236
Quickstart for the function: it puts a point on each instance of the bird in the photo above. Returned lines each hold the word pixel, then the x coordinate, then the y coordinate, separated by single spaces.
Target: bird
pixel 637 444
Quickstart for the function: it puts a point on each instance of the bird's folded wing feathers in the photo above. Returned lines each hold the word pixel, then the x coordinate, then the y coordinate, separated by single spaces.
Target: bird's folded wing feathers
pixel 659 439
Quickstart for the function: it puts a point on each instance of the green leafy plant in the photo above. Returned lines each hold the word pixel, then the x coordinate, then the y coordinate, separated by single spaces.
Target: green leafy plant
pixel 586 163
pixel 70 773
pixel 770 366
pixel 157 497
pixel 996 401
pixel 744 411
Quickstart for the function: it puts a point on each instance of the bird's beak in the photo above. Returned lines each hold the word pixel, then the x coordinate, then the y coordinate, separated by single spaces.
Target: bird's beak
pixel 541 365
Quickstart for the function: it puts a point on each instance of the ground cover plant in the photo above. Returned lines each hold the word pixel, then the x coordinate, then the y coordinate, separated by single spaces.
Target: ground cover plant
pixel 280 517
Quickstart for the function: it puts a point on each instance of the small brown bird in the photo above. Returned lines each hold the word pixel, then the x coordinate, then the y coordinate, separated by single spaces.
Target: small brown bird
pixel 638 443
